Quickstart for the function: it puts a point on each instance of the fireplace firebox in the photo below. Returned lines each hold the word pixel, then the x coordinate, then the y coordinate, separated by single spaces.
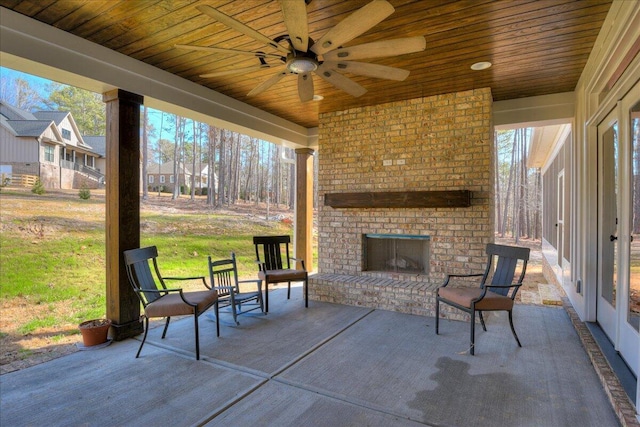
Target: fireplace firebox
pixel 397 253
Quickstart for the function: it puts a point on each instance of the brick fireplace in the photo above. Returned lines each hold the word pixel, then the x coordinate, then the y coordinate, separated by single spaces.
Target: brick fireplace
pixel 438 143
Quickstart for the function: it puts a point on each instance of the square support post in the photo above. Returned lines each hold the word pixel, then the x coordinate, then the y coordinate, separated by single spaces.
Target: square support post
pixel 304 206
pixel 122 208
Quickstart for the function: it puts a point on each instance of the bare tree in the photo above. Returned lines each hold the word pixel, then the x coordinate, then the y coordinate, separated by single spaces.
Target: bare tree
pixel 193 163
pixel 176 161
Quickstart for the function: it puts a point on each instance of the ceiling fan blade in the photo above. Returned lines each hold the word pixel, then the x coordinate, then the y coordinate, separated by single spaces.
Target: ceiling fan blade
pixel 240 27
pixel 268 83
pixel 353 25
pixel 234 71
pixel 227 51
pixel 305 87
pixel 369 70
pixel 379 49
pixel 340 81
pixel 295 19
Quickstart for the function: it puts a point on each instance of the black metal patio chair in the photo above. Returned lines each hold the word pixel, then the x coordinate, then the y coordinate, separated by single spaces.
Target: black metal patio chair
pixel 160 301
pixel 499 295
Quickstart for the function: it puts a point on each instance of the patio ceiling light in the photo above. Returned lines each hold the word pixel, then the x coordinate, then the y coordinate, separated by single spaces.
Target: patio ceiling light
pixel 478 66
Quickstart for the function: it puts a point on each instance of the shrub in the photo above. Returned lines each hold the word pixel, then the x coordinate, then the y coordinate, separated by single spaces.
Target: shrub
pixel 84 193
pixel 38 187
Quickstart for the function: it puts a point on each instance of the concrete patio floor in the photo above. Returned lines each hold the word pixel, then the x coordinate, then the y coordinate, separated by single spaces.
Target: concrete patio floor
pixel 328 365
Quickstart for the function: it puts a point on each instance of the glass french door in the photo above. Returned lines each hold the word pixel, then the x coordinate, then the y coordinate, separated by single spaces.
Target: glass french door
pixel 608 147
pixel 618 300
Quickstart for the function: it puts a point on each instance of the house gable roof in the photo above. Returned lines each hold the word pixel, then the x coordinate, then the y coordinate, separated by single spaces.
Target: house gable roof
pixel 14 113
pixel 97 143
pixel 29 128
pixel 56 116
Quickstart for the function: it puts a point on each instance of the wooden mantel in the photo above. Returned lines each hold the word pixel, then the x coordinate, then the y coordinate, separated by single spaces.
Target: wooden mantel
pixel 400 199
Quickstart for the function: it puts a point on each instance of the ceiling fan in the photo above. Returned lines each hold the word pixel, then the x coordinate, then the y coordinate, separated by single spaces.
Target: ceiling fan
pixel 298 54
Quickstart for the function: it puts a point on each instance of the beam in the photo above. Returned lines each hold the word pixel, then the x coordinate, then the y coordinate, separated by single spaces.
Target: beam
pixel 122 208
pixel 304 206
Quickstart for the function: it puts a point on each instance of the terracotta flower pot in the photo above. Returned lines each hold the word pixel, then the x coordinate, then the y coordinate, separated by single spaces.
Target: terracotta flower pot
pixel 94 332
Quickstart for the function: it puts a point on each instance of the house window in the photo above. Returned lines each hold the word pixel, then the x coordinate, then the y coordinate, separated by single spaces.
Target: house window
pixel 161 179
pixel 66 134
pixel 150 178
pixel 48 153
pixel 172 179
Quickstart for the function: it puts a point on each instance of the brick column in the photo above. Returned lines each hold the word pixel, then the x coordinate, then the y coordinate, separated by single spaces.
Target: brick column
pixel 122 208
pixel 304 206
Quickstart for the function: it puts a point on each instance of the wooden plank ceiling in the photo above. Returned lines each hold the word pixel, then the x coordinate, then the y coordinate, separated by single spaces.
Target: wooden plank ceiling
pixel 537 47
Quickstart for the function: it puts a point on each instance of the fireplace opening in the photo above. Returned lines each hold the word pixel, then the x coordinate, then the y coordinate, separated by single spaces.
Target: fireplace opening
pixel 398 253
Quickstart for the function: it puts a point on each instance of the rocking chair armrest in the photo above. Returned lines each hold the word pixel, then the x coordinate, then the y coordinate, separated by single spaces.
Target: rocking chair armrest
pixel 449 276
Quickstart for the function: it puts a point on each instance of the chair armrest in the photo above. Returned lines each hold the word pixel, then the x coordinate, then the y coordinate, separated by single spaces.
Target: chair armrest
pixel 513 285
pixel 258 283
pixel 204 281
pixel 299 260
pixel 184 278
pixel 449 276
pixel 166 291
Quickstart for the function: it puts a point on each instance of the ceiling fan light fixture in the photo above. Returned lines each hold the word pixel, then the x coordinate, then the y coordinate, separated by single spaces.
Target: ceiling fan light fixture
pixel 301 65
pixel 479 66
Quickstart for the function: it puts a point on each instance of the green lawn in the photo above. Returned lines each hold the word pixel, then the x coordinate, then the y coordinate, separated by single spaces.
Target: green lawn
pixel 52 252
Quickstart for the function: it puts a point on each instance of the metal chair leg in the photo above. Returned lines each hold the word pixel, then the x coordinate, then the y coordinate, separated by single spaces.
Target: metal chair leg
pixel 437 315
pixel 166 326
pixel 482 321
pixel 195 319
pixel 513 329
pixel 144 338
pixel 215 307
pixel 473 332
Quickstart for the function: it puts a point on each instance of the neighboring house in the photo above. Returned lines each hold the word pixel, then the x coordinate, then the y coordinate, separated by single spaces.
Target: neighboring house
pixel 162 178
pixel 48 145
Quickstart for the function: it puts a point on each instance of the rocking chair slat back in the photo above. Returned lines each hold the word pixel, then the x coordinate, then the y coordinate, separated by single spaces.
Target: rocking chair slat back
pixel 223 278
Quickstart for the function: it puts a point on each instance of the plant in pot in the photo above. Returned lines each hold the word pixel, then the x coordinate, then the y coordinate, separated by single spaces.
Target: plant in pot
pixel 95 332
